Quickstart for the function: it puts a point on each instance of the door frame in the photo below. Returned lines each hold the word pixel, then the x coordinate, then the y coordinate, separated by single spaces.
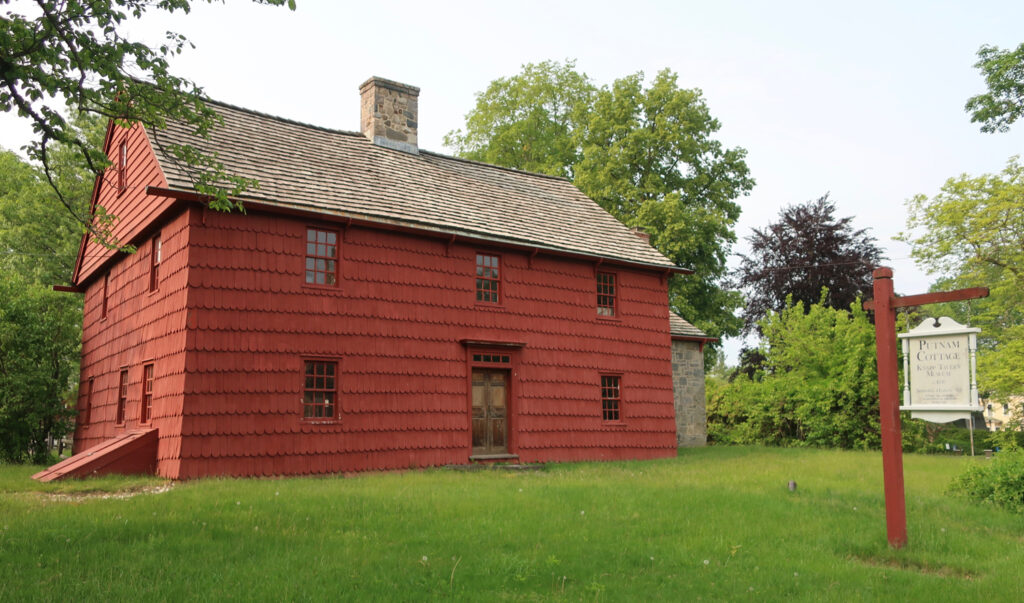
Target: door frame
pixel 477 358
pixel 506 377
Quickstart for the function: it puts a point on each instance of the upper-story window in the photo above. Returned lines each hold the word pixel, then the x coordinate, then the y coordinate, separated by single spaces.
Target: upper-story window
pixel 606 294
pixel 154 263
pixel 106 292
pixel 488 278
pixel 321 257
pixel 122 165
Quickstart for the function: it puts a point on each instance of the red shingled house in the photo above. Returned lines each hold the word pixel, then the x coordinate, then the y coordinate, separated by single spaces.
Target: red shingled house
pixel 378 307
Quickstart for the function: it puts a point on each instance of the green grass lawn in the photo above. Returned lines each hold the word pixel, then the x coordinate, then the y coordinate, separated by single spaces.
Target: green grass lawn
pixel 713 524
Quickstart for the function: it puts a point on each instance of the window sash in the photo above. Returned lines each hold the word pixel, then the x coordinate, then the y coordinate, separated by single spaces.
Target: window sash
pixel 320 390
pixel 122 397
pixel 106 292
pixel 122 165
pixel 611 397
pixel 146 411
pixel 155 257
pixel 488 278
pixel 321 257
pixel 605 294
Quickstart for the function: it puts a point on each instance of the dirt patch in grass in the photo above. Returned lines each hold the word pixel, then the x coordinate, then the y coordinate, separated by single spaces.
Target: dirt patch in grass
pixel 917 566
pixel 78 497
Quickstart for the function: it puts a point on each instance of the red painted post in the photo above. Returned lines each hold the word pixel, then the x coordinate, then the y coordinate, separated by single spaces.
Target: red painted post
pixel 888 398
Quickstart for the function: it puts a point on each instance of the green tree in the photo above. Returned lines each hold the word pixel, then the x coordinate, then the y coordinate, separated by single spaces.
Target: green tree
pixel 972 235
pixel 818 387
pixel 34 242
pixel 807 250
pixel 39 335
pixel 74 55
pixel 646 154
pixel 528 121
pixel 1003 104
pixel 38 238
pixel 40 329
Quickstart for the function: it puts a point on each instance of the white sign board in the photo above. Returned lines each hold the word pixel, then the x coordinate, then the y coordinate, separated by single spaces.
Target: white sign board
pixel 940 370
pixel 939 366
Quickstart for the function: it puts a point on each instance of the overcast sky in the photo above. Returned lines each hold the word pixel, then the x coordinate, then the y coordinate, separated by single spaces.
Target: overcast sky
pixel 863 100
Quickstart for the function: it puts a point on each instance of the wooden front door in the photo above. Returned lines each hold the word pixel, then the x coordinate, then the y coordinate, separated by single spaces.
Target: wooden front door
pixel 490 411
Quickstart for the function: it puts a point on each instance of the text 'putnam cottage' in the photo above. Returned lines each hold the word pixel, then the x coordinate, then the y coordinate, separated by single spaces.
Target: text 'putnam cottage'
pixel 377 307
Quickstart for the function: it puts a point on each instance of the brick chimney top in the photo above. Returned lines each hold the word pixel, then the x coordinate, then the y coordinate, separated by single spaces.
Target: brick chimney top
pixel 390 114
pixel 646 236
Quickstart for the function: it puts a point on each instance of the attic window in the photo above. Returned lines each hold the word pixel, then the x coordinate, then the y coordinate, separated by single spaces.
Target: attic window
pixel 605 294
pixel 488 278
pixel 610 397
pixel 122 165
pixel 321 257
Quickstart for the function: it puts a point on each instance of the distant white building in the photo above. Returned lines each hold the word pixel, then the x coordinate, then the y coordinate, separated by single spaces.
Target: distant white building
pixel 998 415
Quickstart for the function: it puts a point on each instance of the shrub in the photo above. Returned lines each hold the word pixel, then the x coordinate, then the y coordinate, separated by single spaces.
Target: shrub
pixel 817 385
pixel 999 481
pixel 929 438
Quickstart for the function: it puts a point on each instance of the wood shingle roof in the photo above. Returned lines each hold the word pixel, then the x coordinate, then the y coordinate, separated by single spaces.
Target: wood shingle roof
pixel 309 168
pixel 679 327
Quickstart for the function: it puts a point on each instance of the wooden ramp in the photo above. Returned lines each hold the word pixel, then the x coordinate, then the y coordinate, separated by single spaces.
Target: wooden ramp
pixel 130 452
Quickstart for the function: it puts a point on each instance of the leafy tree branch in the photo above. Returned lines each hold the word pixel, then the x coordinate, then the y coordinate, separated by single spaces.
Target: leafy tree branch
pixel 1003 104
pixel 60 56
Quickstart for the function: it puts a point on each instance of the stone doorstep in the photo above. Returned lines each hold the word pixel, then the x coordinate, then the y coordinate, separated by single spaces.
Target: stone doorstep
pixel 496 466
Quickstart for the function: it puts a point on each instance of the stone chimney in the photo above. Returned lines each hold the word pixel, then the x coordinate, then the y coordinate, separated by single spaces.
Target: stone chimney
pixel 390 112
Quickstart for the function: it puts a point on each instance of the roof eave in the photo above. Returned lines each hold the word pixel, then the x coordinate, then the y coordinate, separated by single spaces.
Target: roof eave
pixel 696 338
pixel 273 206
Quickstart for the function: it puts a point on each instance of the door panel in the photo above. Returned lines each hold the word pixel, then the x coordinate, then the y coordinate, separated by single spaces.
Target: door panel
pixel 490 425
pixel 479 410
pixel 498 391
pixel 498 434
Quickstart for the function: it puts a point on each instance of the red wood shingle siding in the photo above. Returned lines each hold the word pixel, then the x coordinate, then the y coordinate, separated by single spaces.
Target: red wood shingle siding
pixel 394 324
pixel 141 326
pixel 134 209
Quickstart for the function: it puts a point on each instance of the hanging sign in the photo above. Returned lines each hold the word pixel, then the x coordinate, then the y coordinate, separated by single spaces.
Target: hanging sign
pixel 939 380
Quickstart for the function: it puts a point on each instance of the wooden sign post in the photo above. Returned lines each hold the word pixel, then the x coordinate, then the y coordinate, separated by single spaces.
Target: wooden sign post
pixel 884 305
